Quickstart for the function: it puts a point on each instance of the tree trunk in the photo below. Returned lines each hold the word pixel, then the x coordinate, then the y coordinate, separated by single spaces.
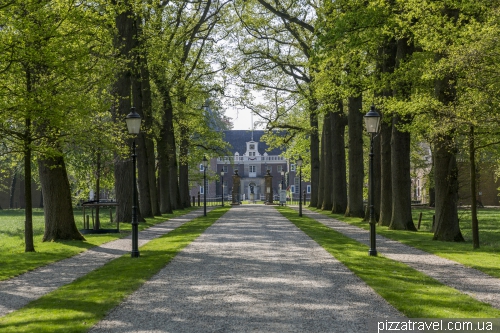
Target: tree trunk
pixel 58 207
pixel 446 181
pixel 97 188
pixel 377 181
pixel 123 42
pixel 356 165
pixel 184 167
pixel 149 142
pixel 173 182
pixel 339 199
pixel 29 245
pixel 163 163
pixel 327 162
pixel 446 227
pixel 430 179
pixel 141 151
pixel 401 218
pixel 385 175
pixel 27 140
pixel 322 170
pixel 314 151
pixel 13 190
pixel 401 180
pixel 386 65
pixel 145 207
pixel 153 189
pixel 473 189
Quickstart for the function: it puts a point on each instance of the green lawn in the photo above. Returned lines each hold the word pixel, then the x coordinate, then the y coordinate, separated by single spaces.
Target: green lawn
pixel 411 292
pixel 15 261
pixel 486 258
pixel 76 307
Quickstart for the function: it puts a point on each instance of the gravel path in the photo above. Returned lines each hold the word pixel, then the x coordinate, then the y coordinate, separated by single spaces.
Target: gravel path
pixel 470 281
pixel 252 271
pixel 19 291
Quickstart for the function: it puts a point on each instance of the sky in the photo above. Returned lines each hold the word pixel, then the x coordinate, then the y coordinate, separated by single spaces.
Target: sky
pixel 241 116
pixel 242 119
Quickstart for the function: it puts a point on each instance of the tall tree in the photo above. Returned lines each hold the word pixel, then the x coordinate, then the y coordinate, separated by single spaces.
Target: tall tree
pixel 123 42
pixel 401 218
pixel 52 56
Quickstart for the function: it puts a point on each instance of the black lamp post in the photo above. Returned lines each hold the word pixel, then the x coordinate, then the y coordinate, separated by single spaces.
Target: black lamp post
pixel 372 123
pixel 222 185
pixel 282 179
pixel 205 163
pixel 299 164
pixel 133 120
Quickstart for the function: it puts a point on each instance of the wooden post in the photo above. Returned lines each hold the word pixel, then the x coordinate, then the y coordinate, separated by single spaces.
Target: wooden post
pixel 419 220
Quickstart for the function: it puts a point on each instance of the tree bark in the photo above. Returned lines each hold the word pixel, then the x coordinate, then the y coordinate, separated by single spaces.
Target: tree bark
pixel 149 142
pixel 446 181
pixel 386 64
pixel 327 162
pixel 339 185
pixel 163 161
pixel 314 151
pixel 377 181
pixel 144 192
pixel 173 174
pixel 13 189
pixel 322 169
pixel 27 141
pixel 473 189
pixel 356 165
pixel 58 207
pixel 385 175
pixel 183 163
pixel 29 245
pixel 430 179
pixel 123 42
pixel 97 187
pixel 401 180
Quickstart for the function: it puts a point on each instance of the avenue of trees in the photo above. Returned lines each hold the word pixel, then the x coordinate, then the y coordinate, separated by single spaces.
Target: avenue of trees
pixel 71 71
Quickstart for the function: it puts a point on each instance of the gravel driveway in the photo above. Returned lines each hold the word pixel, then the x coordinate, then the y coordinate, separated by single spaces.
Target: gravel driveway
pixel 252 271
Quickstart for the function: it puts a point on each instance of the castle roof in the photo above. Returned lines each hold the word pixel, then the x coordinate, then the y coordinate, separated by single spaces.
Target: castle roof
pixel 238 139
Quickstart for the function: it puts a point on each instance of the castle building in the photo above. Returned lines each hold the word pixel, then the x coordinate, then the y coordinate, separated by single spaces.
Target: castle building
pixel 251 159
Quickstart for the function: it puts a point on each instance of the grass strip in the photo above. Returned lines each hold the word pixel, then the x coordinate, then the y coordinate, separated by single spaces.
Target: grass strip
pixel 485 259
pixel 79 305
pixel 14 261
pixel 413 293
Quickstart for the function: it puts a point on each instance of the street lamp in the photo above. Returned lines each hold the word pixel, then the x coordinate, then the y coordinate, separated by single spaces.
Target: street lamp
pixel 372 123
pixel 205 164
pixel 282 179
pixel 133 120
pixel 222 185
pixel 299 164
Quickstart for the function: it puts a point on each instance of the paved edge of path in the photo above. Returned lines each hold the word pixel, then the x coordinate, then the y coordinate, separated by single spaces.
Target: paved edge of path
pixel 470 281
pixel 251 271
pixel 18 291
